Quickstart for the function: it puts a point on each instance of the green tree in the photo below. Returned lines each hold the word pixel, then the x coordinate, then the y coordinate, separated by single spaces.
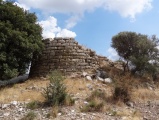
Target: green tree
pixel 20 39
pixel 139 51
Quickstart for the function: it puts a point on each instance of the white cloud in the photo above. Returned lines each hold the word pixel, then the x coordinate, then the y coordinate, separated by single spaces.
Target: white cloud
pixel 113 55
pixel 126 8
pixel 66 33
pixel 71 22
pixel 25 7
pixel 51 29
pixel 61 6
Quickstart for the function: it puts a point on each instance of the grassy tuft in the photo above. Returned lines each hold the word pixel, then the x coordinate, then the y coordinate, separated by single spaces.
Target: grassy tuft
pixel 33 105
pixel 55 93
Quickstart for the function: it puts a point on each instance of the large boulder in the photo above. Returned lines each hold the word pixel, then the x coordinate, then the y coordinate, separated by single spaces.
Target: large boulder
pixel 101 74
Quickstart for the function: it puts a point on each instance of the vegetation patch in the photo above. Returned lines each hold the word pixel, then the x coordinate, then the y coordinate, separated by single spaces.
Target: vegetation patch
pixel 95 102
pixel 122 92
pixel 33 105
pixel 55 93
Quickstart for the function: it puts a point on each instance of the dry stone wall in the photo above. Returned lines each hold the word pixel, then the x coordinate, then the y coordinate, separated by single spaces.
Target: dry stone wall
pixel 64 54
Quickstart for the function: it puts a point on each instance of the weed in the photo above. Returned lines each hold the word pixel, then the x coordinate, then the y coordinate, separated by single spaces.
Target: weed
pixel 93 106
pixel 33 105
pixel 122 92
pixel 96 94
pixel 95 102
pixel 55 93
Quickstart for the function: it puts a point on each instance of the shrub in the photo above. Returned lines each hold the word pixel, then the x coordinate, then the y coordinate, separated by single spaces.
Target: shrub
pixel 55 93
pixel 33 105
pixel 95 102
pixel 122 92
pixel 96 94
pixel 93 106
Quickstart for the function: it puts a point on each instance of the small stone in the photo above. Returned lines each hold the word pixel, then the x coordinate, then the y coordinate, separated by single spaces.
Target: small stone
pixel 4 106
pixel 83 114
pixel 85 102
pixel 14 103
pixel 100 79
pixel 20 109
pixel 130 104
pixel 108 80
pixel 84 74
pixel 72 111
pixel 150 88
pixel 6 114
pixel 145 118
pixel 59 114
pixel 89 86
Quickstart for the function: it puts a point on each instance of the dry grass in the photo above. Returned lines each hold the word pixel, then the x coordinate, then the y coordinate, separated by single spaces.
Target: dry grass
pixel 136 115
pixel 19 92
pixel 143 94
pixel 75 86
pixel 79 88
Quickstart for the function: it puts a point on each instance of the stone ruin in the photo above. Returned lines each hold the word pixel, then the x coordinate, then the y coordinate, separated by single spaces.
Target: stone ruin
pixel 66 55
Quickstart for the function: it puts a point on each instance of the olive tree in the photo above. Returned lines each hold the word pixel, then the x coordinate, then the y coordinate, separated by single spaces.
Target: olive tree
pixel 139 51
pixel 20 39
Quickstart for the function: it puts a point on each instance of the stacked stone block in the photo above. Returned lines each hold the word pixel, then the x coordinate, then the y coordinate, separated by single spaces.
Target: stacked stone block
pixel 64 54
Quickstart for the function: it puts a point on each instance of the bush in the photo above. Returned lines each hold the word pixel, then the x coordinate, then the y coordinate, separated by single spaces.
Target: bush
pixel 33 105
pixel 95 102
pixel 122 92
pixel 55 93
pixel 96 94
pixel 93 106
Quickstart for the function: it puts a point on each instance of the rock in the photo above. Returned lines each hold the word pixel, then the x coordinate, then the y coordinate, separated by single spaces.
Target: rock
pixel 101 74
pixel 6 114
pixel 72 111
pixel 85 102
pixel 4 106
pixel 100 79
pixel 89 86
pixel 130 104
pixel 108 80
pixel 145 118
pixel 59 114
pixel 20 109
pixel 88 78
pixel 84 74
pixel 14 103
pixel 150 88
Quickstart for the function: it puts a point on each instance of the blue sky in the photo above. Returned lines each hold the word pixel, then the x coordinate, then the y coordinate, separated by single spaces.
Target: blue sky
pixel 94 22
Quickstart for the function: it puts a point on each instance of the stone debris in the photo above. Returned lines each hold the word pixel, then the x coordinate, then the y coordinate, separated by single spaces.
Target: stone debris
pixel 84 74
pixel 88 78
pixel 108 80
